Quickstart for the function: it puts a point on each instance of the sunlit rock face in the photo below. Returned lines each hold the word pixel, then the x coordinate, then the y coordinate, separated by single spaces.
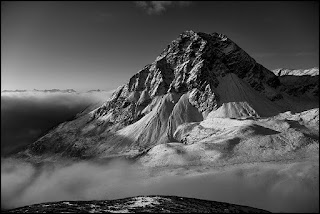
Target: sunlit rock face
pixel 196 74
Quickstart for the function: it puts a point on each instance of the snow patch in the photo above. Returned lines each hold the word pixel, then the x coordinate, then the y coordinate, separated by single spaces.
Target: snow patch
pixel 223 123
pixel 117 211
pixel 67 203
pixel 144 201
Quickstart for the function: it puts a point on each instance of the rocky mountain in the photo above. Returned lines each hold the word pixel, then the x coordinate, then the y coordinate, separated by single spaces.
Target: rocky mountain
pixel 198 76
pixel 145 204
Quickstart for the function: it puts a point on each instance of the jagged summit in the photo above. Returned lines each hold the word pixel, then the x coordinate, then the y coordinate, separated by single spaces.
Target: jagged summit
pixel 192 62
pixel 196 59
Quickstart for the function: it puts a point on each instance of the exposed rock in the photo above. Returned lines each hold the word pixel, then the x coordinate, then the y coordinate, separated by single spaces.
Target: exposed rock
pixel 205 101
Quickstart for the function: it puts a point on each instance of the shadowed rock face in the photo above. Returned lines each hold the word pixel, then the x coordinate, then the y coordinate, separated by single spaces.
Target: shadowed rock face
pixel 138 113
pixel 297 86
pixel 150 204
pixel 298 82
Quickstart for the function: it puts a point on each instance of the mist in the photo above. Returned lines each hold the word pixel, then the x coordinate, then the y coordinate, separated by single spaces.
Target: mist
pixel 25 116
pixel 277 188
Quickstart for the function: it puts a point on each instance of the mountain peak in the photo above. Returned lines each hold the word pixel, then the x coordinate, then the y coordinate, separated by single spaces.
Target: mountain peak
pixel 192 35
pixel 192 63
pixel 188 33
pixel 196 74
pixel 197 58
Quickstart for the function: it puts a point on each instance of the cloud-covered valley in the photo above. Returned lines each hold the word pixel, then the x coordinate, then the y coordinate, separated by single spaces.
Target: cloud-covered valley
pixel 25 116
pixel 274 187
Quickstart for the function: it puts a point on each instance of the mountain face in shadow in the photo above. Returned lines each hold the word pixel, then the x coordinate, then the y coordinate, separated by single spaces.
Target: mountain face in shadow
pixel 196 75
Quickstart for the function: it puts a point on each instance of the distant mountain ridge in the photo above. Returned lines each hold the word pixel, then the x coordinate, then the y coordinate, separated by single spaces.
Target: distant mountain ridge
pixel 14 91
pixel 55 90
pixel 45 90
pixel 296 72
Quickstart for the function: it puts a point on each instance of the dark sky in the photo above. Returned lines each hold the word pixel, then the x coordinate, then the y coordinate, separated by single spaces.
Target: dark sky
pixel 91 45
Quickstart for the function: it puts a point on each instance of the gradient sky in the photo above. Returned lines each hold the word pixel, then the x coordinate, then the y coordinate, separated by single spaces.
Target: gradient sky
pixel 100 45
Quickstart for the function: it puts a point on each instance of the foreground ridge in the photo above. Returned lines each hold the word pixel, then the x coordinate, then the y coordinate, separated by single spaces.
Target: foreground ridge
pixel 158 204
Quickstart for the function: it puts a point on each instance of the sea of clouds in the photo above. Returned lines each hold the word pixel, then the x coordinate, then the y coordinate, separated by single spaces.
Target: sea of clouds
pixel 277 188
pixel 27 115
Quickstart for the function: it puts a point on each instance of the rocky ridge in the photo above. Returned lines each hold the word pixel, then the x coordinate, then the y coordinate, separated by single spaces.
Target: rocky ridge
pixel 146 204
pixel 296 72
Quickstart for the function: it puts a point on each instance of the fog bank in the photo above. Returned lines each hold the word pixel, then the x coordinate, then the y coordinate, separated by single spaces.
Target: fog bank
pixel 25 116
pixel 277 188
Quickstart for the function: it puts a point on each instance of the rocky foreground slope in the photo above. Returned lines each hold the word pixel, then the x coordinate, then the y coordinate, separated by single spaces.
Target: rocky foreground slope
pixel 146 204
pixel 203 93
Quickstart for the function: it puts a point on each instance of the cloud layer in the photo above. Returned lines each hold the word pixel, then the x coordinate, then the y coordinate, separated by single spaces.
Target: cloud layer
pixel 277 188
pixel 159 7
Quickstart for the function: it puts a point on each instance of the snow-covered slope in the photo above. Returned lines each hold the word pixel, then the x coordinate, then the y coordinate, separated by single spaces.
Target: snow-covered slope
pixel 238 99
pixel 222 141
